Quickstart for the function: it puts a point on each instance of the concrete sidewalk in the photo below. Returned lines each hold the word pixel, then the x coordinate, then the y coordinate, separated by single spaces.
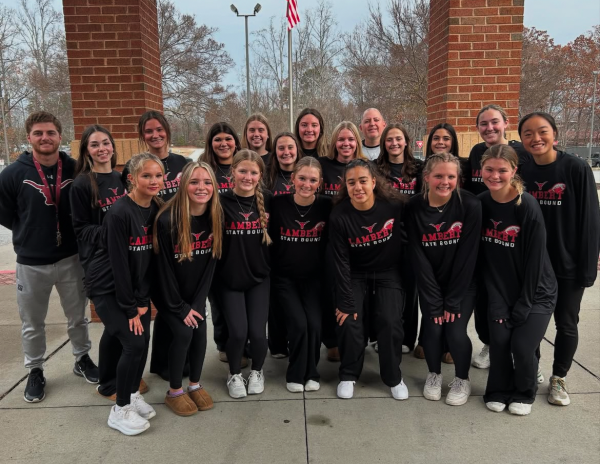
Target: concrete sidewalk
pixel 69 426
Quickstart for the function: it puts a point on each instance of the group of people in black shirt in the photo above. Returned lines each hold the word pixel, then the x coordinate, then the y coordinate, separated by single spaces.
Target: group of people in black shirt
pixel 323 245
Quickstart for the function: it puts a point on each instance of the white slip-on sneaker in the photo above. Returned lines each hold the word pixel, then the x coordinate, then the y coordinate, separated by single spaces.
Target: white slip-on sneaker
pixel 345 389
pixel 236 386
pixel 127 421
pixel 400 391
pixel 312 386
pixel 519 409
pixel 495 406
pixel 433 387
pixel 142 408
pixel 294 387
pixel 256 382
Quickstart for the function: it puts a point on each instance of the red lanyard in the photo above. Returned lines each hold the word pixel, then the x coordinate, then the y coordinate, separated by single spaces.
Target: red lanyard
pixel 55 200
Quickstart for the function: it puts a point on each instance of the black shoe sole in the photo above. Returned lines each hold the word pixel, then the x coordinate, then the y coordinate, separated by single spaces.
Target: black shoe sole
pixel 81 374
pixel 35 400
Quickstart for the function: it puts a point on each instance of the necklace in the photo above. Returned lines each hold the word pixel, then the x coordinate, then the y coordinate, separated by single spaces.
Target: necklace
pixel 244 213
pixel 225 174
pixel 308 211
pixel 443 207
pixel 144 220
pixel 287 181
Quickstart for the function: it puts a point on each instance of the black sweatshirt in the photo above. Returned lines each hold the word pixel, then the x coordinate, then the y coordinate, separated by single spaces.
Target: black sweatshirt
pixel 87 219
pixel 298 249
pixel 516 267
pixel 31 216
pixel 363 242
pixel 333 172
pixel 566 192
pixel 410 187
pixel 130 254
pixel 283 183
pixel 444 250
pixel 267 159
pixel 224 177
pixel 474 182
pixel 173 165
pixel 245 259
pixel 181 286
pixel 312 152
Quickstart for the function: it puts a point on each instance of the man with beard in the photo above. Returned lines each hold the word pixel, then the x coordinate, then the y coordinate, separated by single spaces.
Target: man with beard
pixel 34 204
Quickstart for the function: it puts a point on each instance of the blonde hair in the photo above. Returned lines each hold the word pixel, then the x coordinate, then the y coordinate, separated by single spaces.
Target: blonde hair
pixel 253 157
pixel 435 159
pixel 263 120
pixel 336 132
pixel 180 216
pixel 508 154
pixel 136 165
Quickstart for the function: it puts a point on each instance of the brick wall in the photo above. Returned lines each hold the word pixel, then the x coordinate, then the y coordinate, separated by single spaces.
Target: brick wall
pixel 114 63
pixel 474 59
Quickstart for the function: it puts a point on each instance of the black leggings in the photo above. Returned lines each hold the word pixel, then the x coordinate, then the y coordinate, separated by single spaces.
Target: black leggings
pixel 566 318
pixel 276 328
pixel 185 340
pixel 130 366
pixel 481 312
pixel 328 323
pixel 411 308
pixel 384 313
pixel 454 334
pixel 246 313
pixel 220 333
pixel 162 337
pixel 299 300
pixel 109 352
pixel 513 362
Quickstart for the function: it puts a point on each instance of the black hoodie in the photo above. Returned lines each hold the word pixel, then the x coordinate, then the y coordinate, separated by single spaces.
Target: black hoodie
pixel 31 216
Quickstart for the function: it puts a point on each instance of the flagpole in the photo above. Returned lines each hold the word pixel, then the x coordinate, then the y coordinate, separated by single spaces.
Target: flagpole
pixel 290 80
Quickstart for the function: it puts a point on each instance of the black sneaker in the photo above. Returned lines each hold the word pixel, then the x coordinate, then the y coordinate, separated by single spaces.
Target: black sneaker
pixel 34 391
pixel 86 368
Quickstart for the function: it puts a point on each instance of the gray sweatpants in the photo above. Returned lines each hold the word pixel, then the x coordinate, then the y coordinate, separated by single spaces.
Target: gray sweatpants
pixel 34 285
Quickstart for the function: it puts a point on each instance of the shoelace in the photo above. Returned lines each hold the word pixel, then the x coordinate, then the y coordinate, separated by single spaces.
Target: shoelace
pixel 255 376
pixel 237 378
pixel 559 384
pixel 431 381
pixel 457 384
pixel 34 379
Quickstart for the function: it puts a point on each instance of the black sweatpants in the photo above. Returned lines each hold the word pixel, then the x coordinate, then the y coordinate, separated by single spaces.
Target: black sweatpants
pixel 411 307
pixel 186 341
pixel 276 328
pixel 246 313
pixel 328 322
pixel 455 336
pixel 299 299
pixel 384 313
pixel 513 362
pixel 566 318
pixel 481 312
pixel 130 366
pixel 109 352
pixel 162 337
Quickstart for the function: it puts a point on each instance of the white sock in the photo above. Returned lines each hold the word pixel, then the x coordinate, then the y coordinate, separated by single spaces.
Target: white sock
pixel 117 408
pixel 192 388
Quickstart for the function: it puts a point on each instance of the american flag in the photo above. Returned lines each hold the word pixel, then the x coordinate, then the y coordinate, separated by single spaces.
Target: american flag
pixel 292 14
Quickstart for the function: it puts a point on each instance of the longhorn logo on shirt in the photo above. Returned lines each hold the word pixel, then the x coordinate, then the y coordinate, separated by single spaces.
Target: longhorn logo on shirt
pixel 439 238
pixel 166 175
pixel 40 188
pixel 496 223
pixel 504 237
pixel 197 236
pixel 106 203
pixel 302 224
pixel 145 229
pixel 373 238
pixel 114 191
pixel 550 197
pixel 247 215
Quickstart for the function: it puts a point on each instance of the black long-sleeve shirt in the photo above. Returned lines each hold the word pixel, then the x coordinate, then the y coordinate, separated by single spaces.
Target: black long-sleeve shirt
pixel 88 218
pixel 181 286
pixel 516 267
pixel 363 242
pixel 299 243
pixel 245 260
pixel 473 180
pixel 173 165
pixel 444 250
pixel 566 192
pixel 283 184
pixel 408 187
pixel 333 172
pixel 129 239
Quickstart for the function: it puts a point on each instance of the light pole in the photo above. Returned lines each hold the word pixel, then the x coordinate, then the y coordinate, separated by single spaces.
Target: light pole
pixel 256 10
pixel 595 73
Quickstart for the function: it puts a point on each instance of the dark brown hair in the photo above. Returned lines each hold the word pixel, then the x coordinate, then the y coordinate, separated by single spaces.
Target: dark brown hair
pixel 409 167
pixel 321 141
pixel 40 117
pixel 382 189
pixel 273 168
pixel 263 120
pixel 149 116
pixel 209 156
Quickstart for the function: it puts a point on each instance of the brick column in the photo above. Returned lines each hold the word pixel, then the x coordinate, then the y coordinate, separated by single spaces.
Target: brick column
pixel 474 59
pixel 114 66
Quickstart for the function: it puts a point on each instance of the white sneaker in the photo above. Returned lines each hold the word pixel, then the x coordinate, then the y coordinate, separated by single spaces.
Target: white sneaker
pixel 433 387
pixel 256 382
pixel 376 347
pixel 460 390
pixel 345 389
pixel 495 406
pixel 127 421
pixel 236 385
pixel 405 349
pixel 400 391
pixel 519 409
pixel 540 376
pixel 482 360
pixel 294 387
pixel 312 386
pixel 144 410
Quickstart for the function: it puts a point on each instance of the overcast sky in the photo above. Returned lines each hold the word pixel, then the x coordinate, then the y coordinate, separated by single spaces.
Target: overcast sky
pixel 563 19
